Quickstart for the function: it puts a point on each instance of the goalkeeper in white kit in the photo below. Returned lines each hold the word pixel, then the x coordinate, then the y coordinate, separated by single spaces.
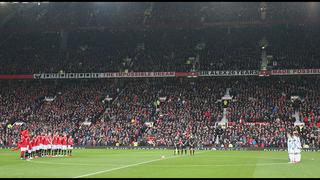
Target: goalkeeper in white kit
pixel 290 146
pixel 297 147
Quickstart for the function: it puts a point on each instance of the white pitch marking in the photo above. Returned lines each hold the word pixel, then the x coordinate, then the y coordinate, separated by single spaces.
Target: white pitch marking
pixel 130 165
pixel 211 165
pixel 122 167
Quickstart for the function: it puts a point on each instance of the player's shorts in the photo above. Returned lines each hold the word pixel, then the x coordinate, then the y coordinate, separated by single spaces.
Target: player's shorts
pixel 34 148
pixel 70 147
pixel 45 147
pixel 29 151
pixel 297 151
pixel 24 148
pixel 49 146
pixel 53 147
pixel 64 147
pixel 59 146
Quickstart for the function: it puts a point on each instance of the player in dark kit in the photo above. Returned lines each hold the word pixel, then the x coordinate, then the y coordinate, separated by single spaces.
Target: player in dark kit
pixel 176 146
pixel 185 146
pixel 191 146
pixel 182 146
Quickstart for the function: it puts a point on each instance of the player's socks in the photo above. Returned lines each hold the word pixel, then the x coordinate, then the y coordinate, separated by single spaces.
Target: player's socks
pixel 22 154
pixel 299 157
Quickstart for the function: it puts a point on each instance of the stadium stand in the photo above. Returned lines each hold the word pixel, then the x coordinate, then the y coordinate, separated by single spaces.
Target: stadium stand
pixel 192 38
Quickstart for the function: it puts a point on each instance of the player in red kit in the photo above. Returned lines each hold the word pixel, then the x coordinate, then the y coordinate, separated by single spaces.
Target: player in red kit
pixel 33 146
pixel 63 140
pixel 44 144
pixel 23 145
pixel 70 145
pixel 27 144
pixel 55 144
pixel 38 145
pixel 30 148
pixel 59 144
pixel 49 143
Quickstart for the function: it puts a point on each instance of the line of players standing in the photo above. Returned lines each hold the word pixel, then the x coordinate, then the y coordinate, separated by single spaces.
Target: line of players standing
pixel 183 143
pixel 45 145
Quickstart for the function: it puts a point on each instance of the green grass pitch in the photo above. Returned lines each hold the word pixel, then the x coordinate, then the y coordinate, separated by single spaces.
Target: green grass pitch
pixel 93 163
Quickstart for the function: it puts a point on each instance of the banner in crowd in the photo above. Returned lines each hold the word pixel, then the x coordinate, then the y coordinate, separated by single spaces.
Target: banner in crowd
pixel 102 75
pixel 230 73
pixel 16 76
pixel 187 74
pixel 157 74
pixel 18 123
pixel 231 123
pixel 295 71
pixel 49 99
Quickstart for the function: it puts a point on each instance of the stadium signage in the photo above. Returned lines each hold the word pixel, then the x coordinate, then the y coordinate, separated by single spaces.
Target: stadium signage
pixel 157 74
pixel 230 73
pixel 16 76
pixel 295 71
pixel 102 75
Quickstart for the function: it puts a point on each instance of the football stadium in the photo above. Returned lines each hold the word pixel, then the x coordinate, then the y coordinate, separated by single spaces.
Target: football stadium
pixel 159 89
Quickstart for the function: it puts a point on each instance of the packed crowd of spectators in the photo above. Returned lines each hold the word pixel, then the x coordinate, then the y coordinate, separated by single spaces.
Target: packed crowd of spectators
pixel 48 105
pixel 154 112
pixel 152 14
pixel 155 50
